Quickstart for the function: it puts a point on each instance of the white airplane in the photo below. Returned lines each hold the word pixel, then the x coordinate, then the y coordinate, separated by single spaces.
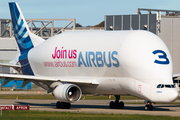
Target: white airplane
pixel 70 64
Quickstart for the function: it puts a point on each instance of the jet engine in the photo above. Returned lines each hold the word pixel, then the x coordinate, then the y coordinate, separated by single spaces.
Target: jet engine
pixel 67 93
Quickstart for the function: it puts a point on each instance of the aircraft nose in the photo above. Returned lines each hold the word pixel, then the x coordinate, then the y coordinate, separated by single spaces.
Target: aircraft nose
pixel 173 95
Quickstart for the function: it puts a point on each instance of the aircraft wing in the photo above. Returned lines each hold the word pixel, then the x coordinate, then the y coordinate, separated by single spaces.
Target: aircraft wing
pixel 30 78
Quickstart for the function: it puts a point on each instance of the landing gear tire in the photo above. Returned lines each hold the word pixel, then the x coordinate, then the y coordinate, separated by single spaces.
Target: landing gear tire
pixel 116 104
pixel 63 105
pixel 67 105
pixel 58 104
pixel 121 105
pixel 149 107
pixel 112 105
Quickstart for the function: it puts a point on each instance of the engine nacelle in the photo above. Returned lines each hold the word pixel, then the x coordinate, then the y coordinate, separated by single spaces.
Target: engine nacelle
pixel 67 93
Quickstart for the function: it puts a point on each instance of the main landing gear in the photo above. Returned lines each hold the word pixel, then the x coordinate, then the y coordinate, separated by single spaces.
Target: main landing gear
pixel 149 106
pixel 116 104
pixel 63 105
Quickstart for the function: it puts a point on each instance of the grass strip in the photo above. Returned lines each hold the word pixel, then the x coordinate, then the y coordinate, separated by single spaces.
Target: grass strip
pixel 44 115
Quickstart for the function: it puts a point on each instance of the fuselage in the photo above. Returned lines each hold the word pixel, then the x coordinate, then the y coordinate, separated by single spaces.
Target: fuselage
pixel 122 62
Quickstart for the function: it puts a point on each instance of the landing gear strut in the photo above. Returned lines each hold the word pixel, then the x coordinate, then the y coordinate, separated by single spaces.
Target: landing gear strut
pixel 149 106
pixel 63 105
pixel 116 104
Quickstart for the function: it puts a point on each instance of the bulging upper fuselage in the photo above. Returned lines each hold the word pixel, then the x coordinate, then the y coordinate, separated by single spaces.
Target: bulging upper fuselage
pixel 122 62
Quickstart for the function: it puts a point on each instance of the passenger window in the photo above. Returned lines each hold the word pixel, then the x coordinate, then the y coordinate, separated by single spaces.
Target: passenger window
pixel 162 86
pixel 168 86
pixel 159 86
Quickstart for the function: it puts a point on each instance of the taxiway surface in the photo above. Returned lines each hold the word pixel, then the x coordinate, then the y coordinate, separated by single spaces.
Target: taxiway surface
pixel 98 106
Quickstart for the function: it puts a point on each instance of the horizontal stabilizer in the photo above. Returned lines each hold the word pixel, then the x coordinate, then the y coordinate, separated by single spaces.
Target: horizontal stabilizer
pixel 16 67
pixel 10 65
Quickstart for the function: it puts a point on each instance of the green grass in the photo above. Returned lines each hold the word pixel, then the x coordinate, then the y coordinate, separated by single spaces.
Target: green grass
pixel 44 115
pixel 41 97
pixel 50 97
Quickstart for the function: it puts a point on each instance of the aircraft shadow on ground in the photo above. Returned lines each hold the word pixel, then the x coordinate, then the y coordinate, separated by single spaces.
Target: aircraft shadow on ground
pixel 75 106
pixel 35 104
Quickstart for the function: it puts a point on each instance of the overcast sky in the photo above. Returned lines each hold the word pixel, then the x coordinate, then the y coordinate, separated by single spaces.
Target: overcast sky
pixel 86 12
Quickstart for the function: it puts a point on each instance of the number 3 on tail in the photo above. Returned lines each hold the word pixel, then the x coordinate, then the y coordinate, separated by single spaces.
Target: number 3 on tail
pixel 162 58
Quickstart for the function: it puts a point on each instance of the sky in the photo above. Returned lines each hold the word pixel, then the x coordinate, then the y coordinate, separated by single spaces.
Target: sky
pixel 86 12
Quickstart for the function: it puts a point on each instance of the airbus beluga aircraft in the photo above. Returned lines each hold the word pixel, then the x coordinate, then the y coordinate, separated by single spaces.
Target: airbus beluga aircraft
pixel 70 64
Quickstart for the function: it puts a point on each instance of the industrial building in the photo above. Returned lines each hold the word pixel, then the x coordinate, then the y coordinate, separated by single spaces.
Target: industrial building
pixel 164 23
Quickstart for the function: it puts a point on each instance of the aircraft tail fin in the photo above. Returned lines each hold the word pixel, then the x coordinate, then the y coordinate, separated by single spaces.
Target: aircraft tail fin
pixel 24 38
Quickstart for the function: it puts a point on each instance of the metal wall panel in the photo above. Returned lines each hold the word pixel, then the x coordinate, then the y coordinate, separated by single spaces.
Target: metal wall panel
pixel 135 22
pixel 8 52
pixel 126 22
pixel 3 26
pixel 8 49
pixel 143 21
pixel 152 23
pixel 7 55
pixel 8 43
pixel 108 22
pixel 170 34
pixel 176 44
pixel 165 33
pixel 4 69
pixel 117 22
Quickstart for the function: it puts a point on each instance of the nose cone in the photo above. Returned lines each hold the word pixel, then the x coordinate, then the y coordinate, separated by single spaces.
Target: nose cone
pixel 173 95
pixel 164 95
pixel 168 95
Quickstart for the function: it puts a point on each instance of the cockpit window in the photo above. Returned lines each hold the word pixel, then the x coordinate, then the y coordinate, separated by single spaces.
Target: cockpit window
pixel 168 86
pixel 159 86
pixel 172 86
pixel 165 86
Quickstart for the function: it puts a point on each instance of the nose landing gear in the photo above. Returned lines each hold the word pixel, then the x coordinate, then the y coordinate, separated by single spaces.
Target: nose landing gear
pixel 116 104
pixel 148 106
